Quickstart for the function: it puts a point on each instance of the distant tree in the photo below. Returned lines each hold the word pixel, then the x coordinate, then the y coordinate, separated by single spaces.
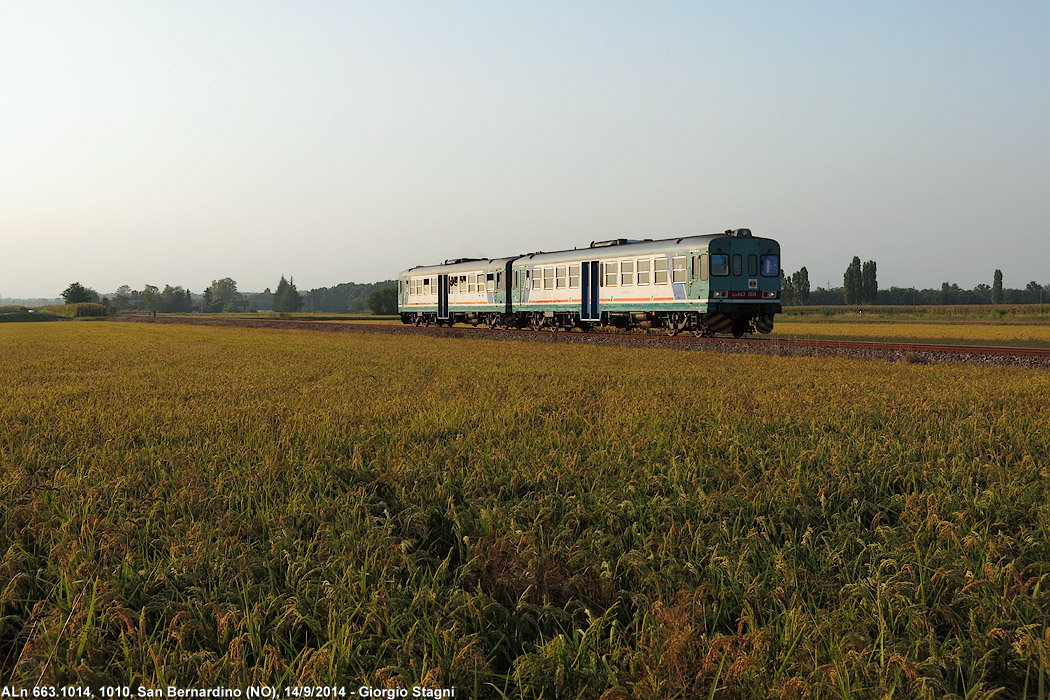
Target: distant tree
pixel 223 292
pixel 1033 293
pixel 868 284
pixel 852 283
pixel 149 299
pixel 77 293
pixel 174 300
pixel 287 297
pixel 997 287
pixel 787 288
pixel 121 298
pixel 383 302
pixel 208 298
pixel 801 284
pixel 982 294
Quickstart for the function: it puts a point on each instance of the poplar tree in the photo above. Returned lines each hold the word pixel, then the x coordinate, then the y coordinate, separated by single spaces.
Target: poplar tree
pixel 997 287
pixel 869 285
pixel 851 283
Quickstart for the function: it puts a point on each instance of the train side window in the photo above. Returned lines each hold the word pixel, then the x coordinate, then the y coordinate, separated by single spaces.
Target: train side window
pixel 516 278
pixel 574 276
pixel 548 278
pixel 627 273
pixel 705 267
pixel 770 265
pixel 561 277
pixel 694 267
pixel 611 269
pixel 601 275
pixel 462 284
pixel 643 270
pixel 660 270
pixel 490 282
pixel 678 269
pixel 738 264
pixel 752 265
pixel 537 278
pixel 719 265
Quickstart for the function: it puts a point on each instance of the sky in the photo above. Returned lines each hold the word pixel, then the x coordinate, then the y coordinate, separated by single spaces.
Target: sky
pixel 179 142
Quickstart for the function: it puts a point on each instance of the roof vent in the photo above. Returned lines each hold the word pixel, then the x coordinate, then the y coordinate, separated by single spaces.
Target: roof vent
pixel 461 260
pixel 739 232
pixel 617 241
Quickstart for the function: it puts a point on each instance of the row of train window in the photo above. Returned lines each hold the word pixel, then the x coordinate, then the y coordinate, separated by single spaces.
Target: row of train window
pixel 624 273
pixel 643 271
pixel 458 284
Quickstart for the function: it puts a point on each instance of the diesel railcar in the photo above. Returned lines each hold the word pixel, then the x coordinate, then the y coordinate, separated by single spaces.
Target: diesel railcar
pixel 719 283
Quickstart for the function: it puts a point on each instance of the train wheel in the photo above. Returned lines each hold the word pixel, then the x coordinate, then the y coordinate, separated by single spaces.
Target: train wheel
pixel 740 326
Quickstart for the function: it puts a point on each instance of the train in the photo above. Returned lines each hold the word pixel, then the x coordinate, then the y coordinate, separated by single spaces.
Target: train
pixel 724 283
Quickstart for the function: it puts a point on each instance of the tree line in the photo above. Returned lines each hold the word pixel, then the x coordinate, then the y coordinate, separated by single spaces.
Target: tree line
pixel 223 296
pixel 860 286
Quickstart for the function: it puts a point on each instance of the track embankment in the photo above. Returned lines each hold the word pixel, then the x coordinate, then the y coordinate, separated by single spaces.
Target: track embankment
pixel 915 353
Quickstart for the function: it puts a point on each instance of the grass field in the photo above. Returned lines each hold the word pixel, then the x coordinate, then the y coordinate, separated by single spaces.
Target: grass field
pixel 207 505
pixel 958 333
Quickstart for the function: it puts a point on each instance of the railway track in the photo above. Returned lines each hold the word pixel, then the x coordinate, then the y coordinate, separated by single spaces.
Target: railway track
pixel 917 353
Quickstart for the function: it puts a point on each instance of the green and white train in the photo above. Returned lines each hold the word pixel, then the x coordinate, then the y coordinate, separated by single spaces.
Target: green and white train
pixel 721 283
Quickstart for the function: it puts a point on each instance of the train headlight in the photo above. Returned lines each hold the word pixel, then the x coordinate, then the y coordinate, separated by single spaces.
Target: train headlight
pixel 771 295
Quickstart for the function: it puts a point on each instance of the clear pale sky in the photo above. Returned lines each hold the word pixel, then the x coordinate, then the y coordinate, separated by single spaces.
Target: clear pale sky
pixel 167 142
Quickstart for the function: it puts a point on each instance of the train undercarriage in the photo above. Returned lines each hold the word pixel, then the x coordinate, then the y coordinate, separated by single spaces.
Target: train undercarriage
pixel 669 322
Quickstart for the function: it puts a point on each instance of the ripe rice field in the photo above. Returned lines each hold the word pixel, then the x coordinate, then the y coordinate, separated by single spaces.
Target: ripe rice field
pixel 958 333
pixel 205 506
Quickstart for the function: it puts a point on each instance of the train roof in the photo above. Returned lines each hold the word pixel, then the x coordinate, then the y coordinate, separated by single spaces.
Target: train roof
pixel 460 266
pixel 615 248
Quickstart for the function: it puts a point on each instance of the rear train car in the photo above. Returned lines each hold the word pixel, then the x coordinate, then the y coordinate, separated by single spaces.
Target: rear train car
pixel 465 290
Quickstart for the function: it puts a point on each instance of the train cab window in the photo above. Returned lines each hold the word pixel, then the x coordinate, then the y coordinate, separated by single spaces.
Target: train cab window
pixel 678 269
pixel 490 282
pixel 561 277
pixel 719 265
pixel 660 270
pixel 705 266
pixel 548 278
pixel 643 270
pixel 627 273
pixel 611 269
pixel 752 265
pixel 738 264
pixel 770 265
pixel 574 276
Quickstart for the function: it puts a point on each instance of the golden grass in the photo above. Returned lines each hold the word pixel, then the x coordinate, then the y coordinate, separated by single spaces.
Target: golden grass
pixel 208 505
pixel 960 333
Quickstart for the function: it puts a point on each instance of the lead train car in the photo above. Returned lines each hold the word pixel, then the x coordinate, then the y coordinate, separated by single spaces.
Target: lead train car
pixel 721 283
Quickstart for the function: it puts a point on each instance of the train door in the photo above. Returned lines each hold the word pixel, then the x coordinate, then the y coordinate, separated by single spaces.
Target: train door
pixel 443 297
pixel 589 291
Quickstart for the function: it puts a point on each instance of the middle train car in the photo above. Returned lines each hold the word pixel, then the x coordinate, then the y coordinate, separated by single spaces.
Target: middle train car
pixel 721 283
